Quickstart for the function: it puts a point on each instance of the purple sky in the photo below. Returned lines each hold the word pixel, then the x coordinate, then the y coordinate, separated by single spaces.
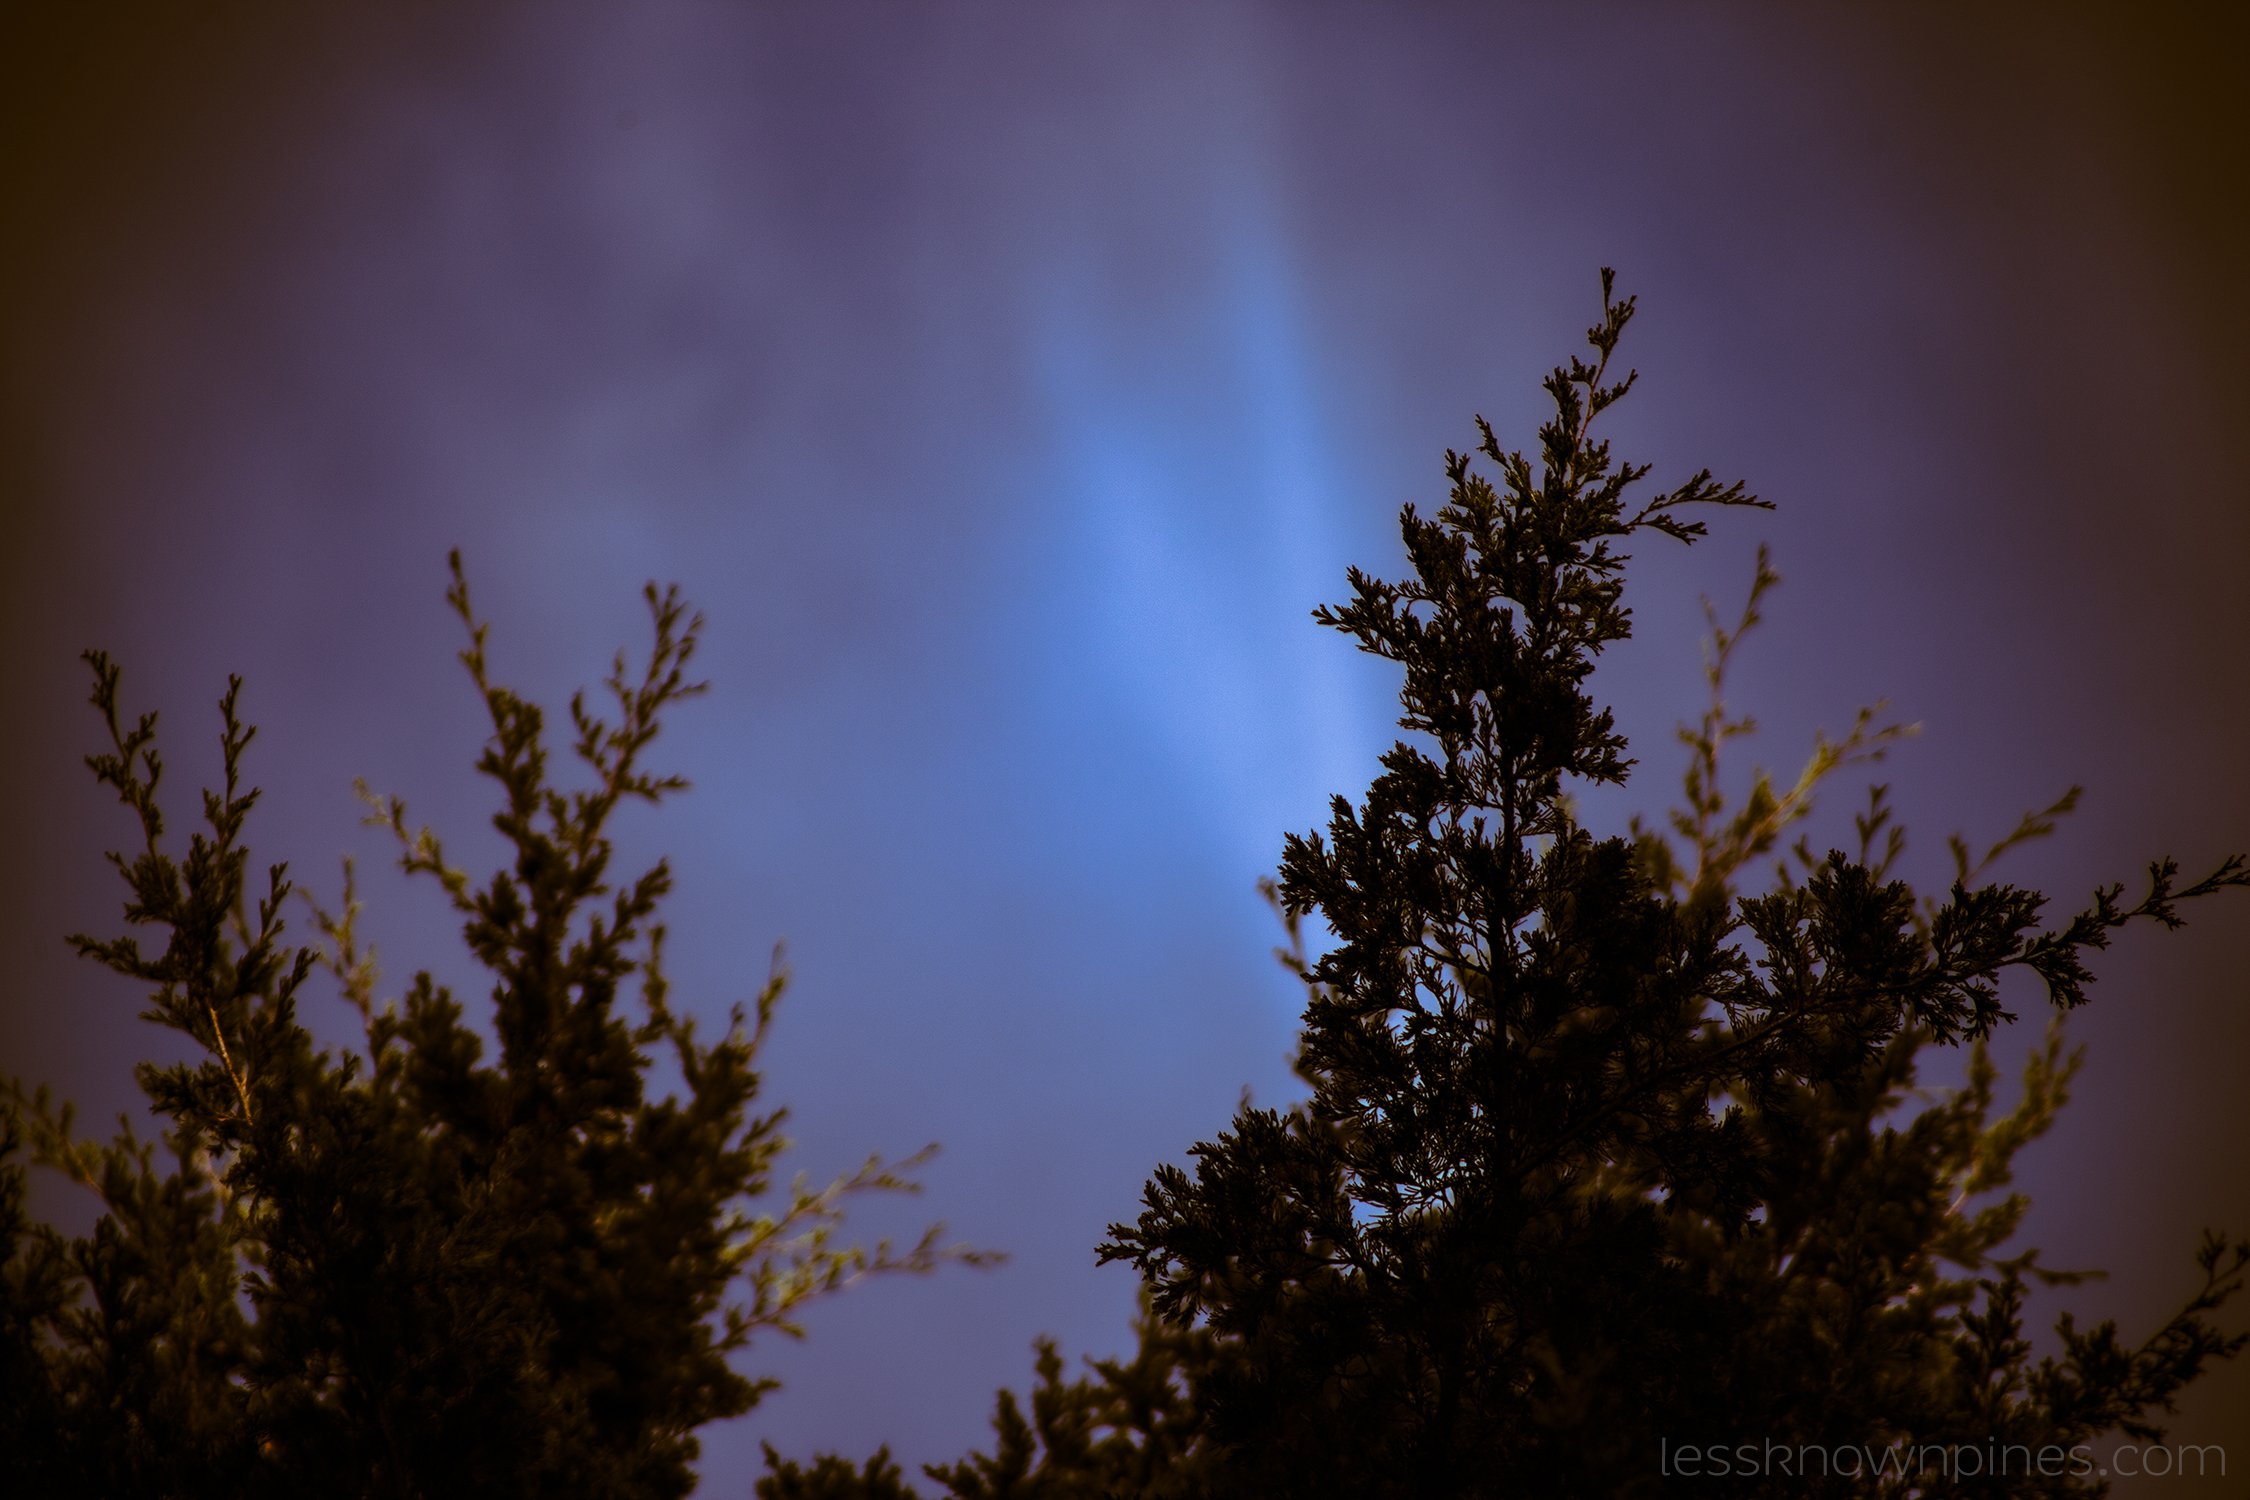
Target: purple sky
pixel 1007 383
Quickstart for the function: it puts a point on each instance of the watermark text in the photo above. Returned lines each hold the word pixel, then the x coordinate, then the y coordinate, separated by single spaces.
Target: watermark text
pixel 1940 1460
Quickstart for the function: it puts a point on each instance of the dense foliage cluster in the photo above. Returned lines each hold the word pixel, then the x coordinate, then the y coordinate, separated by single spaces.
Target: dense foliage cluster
pixel 1602 1159
pixel 410 1272
pixel 1608 1163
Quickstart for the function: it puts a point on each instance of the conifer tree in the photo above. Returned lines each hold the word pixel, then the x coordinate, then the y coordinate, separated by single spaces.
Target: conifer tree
pixel 1605 1160
pixel 1600 1158
pixel 409 1271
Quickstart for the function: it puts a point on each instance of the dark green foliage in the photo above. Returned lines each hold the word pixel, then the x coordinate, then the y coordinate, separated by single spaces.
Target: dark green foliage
pixel 119 1347
pixel 1126 1428
pixel 1597 1158
pixel 1123 1428
pixel 412 1272
pixel 831 1478
pixel 1603 1159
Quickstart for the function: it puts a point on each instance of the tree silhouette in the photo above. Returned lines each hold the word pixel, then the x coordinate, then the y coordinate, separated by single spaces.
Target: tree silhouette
pixel 409 1271
pixel 1608 1181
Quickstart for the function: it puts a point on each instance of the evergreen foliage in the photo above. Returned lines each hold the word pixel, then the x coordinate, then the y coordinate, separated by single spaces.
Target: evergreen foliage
pixel 1604 1158
pixel 412 1272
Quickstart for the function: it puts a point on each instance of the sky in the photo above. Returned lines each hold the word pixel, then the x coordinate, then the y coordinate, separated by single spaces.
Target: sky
pixel 1007 383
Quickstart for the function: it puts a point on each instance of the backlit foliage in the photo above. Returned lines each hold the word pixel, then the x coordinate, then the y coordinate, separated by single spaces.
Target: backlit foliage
pixel 408 1270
